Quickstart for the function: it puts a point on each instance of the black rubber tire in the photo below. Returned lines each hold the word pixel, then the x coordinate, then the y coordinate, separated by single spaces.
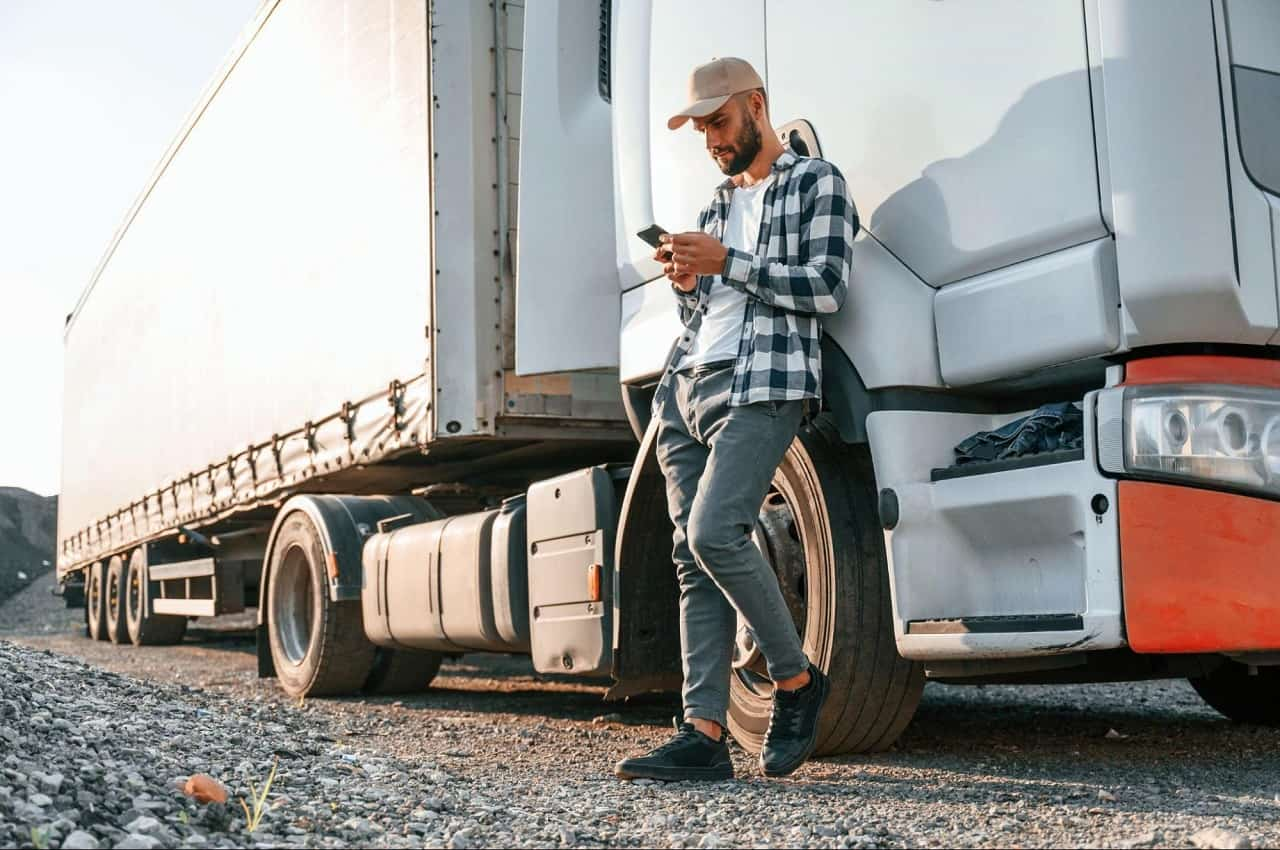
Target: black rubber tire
pixel 95 601
pixel 144 627
pixel 848 628
pixel 114 590
pixel 1242 697
pixel 335 657
pixel 402 671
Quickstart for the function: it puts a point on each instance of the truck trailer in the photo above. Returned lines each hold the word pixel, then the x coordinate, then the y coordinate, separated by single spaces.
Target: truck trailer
pixel 374 352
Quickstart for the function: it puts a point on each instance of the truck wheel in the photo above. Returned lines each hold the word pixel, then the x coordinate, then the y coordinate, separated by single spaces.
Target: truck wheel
pixel 114 591
pixel 318 646
pixel 144 627
pixel 1240 696
pixel 95 601
pixel 401 671
pixel 819 529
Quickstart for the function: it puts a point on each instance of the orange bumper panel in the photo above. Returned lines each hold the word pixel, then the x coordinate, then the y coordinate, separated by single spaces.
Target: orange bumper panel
pixel 1201 569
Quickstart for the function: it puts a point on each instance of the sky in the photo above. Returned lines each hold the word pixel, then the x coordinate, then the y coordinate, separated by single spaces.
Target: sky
pixel 91 95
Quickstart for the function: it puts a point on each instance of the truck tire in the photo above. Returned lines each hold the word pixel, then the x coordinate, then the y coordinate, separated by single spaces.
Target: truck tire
pixel 318 645
pixel 820 529
pixel 95 601
pixel 114 591
pixel 402 671
pixel 144 627
pixel 1241 697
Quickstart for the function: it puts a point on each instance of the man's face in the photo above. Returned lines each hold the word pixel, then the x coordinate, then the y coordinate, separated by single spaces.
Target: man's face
pixel 732 136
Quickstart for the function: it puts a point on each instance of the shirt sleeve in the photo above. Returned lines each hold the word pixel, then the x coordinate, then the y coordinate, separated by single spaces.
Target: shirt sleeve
pixel 687 302
pixel 828 222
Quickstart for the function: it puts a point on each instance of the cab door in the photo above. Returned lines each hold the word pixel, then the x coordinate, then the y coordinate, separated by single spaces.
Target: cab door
pixel 664 177
pixel 567 299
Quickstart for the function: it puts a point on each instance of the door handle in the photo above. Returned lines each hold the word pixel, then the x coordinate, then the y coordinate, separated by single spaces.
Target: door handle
pixel 800 137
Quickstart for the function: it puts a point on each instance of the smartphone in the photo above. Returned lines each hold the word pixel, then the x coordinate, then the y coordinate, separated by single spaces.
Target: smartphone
pixel 651 233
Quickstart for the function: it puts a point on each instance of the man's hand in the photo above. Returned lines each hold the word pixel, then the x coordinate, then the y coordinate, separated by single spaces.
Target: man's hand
pixel 685 282
pixel 696 253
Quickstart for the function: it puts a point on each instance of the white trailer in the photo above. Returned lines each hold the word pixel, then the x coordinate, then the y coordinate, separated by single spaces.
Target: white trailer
pixel 1069 201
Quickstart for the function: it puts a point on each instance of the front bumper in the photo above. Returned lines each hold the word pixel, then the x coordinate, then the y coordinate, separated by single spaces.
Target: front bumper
pixel 1200 569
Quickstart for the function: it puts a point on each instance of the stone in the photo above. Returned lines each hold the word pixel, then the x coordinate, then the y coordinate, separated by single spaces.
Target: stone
pixel 41 800
pixel 80 840
pixel 137 841
pixel 145 825
pixel 1216 838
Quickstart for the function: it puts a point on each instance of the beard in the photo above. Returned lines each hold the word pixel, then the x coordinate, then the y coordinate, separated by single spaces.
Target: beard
pixel 745 148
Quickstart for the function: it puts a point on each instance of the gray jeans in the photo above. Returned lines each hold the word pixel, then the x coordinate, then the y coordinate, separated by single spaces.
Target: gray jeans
pixel 718 462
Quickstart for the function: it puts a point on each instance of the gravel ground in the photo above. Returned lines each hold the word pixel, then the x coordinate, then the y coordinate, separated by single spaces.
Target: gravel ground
pixel 495 755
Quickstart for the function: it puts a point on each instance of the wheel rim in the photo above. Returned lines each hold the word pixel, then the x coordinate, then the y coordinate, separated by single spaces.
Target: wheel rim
pixel 134 599
pixel 95 594
pixel 293 609
pixel 777 535
pixel 113 595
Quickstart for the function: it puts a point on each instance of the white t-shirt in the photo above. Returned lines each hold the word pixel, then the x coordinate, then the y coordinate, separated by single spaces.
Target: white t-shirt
pixel 721 329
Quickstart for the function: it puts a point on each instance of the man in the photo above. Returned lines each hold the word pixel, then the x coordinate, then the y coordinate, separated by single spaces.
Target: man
pixel 771 252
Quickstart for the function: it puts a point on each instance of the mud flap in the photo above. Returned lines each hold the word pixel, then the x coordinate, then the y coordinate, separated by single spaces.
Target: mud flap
pixel 646 654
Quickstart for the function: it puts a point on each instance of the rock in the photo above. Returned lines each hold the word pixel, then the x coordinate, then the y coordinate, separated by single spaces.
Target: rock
pixel 1216 838
pixel 460 840
pixel 80 840
pixel 613 717
pixel 567 836
pixel 41 800
pixel 203 788
pixel 1113 735
pixel 216 817
pixel 144 825
pixel 1104 794
pixel 51 782
pixel 138 841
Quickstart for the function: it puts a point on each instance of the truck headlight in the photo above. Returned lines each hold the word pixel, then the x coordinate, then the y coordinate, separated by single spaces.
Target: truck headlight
pixel 1220 435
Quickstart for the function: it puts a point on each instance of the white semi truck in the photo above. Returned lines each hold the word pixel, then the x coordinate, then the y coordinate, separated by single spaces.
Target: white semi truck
pixel 374 351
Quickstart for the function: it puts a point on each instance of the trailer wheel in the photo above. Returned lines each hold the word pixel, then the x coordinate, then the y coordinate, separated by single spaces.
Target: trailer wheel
pixel 819 529
pixel 95 601
pixel 318 646
pixel 1242 697
pixel 144 627
pixel 402 671
pixel 114 590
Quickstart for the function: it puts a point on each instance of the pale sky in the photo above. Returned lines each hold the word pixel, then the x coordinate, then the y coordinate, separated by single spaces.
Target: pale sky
pixel 91 94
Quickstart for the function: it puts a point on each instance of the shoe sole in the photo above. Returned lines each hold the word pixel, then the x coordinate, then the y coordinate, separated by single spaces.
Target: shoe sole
pixel 676 774
pixel 789 769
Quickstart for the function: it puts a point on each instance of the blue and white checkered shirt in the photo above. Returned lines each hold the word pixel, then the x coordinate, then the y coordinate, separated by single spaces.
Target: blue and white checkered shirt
pixel 800 270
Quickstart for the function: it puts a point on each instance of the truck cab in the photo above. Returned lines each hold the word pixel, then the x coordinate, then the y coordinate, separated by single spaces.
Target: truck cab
pixel 1059 202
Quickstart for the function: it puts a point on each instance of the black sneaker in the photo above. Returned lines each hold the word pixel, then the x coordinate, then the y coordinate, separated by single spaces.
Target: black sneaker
pixel 688 755
pixel 793 727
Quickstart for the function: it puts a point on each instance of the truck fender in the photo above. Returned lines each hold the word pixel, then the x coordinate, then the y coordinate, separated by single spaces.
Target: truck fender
pixel 344 522
pixel 844 392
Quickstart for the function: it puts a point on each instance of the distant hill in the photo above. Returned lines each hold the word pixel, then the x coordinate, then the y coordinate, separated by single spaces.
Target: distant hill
pixel 28 537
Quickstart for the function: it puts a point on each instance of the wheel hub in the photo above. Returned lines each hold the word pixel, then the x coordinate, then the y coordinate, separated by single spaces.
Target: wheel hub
pixel 776 536
pixel 293 617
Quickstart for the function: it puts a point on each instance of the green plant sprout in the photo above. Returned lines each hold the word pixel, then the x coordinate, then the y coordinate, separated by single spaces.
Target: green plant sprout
pixel 252 819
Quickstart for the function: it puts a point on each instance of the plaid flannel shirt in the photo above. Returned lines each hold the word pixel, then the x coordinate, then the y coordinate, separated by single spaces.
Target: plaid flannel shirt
pixel 800 270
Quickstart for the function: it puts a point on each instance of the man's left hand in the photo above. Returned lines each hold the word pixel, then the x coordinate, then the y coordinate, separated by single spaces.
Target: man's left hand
pixel 698 253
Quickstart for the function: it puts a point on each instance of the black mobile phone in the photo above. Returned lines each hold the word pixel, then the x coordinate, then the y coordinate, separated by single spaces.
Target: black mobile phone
pixel 651 233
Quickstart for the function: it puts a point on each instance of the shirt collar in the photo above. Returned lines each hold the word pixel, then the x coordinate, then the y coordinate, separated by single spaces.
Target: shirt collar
pixel 784 161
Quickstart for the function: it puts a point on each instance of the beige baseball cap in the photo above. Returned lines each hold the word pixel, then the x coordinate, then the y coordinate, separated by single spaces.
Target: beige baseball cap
pixel 711 85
